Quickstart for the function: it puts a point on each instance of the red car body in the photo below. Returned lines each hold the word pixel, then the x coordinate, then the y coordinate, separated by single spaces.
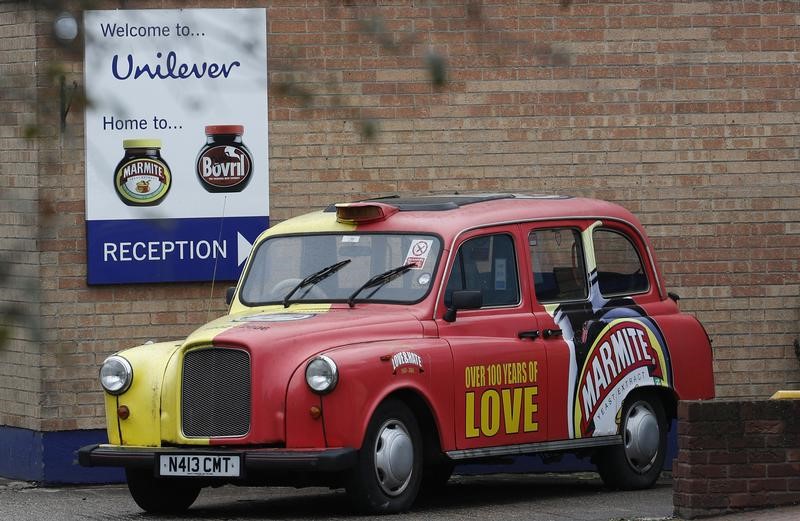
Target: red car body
pixel 510 325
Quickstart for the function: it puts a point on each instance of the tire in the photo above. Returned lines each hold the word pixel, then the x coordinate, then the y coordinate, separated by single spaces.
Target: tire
pixel 637 463
pixel 160 495
pixel 388 474
pixel 435 477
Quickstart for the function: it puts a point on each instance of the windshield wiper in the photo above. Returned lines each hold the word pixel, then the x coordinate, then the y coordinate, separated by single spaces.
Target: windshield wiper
pixel 315 277
pixel 379 280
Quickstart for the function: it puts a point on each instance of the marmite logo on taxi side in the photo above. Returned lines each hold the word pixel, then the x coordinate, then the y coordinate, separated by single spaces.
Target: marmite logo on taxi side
pixel 507 410
pixel 406 362
pixel 626 354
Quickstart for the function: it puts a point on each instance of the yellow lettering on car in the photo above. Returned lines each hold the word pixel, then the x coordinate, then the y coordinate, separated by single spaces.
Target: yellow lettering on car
pixel 517 405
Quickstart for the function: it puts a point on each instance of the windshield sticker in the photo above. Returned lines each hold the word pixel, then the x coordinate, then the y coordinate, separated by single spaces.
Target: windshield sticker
pixel 418 253
pixel 424 279
pixel 351 238
pixel 275 317
pixel 406 362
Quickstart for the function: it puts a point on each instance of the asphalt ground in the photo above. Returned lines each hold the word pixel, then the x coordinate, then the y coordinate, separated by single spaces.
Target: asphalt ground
pixel 541 497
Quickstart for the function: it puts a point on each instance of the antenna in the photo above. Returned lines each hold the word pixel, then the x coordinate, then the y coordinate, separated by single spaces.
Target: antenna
pixel 216 259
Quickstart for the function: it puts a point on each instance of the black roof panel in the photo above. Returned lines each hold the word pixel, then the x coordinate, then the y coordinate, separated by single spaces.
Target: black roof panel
pixel 438 203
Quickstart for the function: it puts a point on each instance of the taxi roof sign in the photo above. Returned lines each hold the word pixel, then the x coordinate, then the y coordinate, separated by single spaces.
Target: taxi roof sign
pixel 364 212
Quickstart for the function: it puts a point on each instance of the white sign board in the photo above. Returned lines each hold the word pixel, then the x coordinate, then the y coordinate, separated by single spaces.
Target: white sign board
pixel 177 174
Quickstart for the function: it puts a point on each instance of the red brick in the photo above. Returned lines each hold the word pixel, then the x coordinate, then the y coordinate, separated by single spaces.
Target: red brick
pixel 748 471
pixel 766 485
pixel 775 470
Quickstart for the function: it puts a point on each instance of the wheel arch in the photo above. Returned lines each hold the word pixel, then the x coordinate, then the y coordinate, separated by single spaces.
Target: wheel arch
pixel 666 395
pixel 428 425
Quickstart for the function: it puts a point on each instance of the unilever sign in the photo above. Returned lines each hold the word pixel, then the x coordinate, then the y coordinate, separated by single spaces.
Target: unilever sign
pixel 177 173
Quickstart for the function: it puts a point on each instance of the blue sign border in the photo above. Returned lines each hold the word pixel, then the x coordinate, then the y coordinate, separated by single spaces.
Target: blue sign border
pixel 169 250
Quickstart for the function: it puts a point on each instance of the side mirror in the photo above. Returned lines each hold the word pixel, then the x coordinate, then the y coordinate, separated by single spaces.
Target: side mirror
pixel 463 299
pixel 229 293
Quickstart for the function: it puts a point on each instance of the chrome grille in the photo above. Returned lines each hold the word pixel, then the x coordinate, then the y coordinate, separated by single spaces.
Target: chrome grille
pixel 215 396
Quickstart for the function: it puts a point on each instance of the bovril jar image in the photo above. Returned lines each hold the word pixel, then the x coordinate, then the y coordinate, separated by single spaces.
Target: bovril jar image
pixel 224 164
pixel 142 177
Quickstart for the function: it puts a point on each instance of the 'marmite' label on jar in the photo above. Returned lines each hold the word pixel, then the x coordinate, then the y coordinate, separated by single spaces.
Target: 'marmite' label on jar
pixel 142 177
pixel 142 181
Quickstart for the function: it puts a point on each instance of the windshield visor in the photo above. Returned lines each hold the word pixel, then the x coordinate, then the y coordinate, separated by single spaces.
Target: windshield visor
pixel 281 263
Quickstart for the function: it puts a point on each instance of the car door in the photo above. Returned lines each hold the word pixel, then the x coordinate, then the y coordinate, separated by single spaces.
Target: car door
pixel 594 292
pixel 499 366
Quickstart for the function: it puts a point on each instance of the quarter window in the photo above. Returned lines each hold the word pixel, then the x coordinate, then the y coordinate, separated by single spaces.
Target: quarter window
pixel 487 264
pixel 619 267
pixel 557 264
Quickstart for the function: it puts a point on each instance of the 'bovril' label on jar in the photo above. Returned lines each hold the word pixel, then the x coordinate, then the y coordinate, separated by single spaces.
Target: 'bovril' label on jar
pixel 224 167
pixel 142 181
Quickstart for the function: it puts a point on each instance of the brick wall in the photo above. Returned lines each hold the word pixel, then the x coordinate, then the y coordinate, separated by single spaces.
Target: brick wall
pixel 685 112
pixel 20 380
pixel 736 455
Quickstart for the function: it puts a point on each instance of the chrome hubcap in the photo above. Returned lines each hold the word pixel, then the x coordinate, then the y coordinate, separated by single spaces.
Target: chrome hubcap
pixel 394 457
pixel 642 436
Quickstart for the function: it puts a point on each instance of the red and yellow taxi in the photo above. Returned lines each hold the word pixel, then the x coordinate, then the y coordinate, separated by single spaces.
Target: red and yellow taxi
pixel 374 345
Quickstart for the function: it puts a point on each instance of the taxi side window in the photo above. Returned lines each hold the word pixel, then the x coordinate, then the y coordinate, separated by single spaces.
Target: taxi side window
pixel 559 273
pixel 487 264
pixel 619 266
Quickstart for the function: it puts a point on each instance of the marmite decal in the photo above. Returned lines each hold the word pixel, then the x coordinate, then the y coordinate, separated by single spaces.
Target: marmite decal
pixel 614 347
pixel 626 353
pixel 406 362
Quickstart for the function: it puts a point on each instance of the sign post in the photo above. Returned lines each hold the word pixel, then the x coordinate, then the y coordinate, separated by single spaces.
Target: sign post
pixel 177 173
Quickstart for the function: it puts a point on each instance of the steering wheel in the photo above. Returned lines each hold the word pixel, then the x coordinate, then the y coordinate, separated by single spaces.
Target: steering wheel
pixel 279 290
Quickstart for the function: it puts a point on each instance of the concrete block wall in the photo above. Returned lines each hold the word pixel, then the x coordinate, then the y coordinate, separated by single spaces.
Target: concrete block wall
pixel 686 112
pixel 736 455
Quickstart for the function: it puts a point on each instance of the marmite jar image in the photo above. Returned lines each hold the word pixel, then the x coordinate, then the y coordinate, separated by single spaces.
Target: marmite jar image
pixel 224 164
pixel 142 178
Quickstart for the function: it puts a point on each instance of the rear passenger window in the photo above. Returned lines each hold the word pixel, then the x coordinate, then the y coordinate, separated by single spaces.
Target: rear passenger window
pixel 558 270
pixel 619 267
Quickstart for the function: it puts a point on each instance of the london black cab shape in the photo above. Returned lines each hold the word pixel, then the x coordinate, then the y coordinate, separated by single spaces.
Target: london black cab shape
pixel 374 345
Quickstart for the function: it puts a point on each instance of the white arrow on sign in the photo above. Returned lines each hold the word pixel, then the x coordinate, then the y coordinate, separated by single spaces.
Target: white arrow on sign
pixel 243 247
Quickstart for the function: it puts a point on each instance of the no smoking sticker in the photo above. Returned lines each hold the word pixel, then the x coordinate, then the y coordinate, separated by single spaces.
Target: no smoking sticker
pixel 418 253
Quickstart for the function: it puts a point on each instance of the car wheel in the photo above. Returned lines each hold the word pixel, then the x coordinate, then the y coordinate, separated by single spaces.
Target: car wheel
pixel 638 462
pixel 387 476
pixel 159 495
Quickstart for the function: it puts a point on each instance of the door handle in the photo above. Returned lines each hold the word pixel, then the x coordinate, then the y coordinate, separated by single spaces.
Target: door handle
pixel 550 333
pixel 533 335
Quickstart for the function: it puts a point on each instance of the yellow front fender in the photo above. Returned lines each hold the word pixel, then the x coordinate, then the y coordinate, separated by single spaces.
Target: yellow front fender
pixel 143 398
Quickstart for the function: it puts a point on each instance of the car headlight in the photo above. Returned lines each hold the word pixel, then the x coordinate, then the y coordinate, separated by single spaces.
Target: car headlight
pixel 322 374
pixel 116 375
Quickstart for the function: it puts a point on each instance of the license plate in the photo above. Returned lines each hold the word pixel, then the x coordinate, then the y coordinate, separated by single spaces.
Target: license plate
pixel 199 465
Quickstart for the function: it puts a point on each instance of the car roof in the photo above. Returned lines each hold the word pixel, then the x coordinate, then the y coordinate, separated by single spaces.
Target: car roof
pixel 449 214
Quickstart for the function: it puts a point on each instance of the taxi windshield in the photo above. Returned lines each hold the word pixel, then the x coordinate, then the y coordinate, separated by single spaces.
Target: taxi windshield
pixel 337 267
